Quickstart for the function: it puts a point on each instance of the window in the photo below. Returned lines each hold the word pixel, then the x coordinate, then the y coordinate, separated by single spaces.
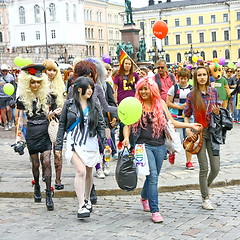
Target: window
pixel 189 22
pixel 177 39
pixel 22 36
pixel 142 26
pixel 52 12
pixel 116 19
pixel 154 41
pixel 227 54
pixel 167 58
pixel 90 18
pixel 214 36
pixel 91 32
pixel 86 33
pixel 213 18
pixel 214 54
pixel 67 12
pixel 100 33
pixel 200 19
pixel 202 54
pixel 238 53
pixel 22 15
pixel 152 23
pixel 37 35
pixel 93 50
pixel 201 37
pixel 53 34
pixel 226 35
pixel 177 24
pixel 99 17
pixel 225 17
pixel 101 50
pixel 1 37
pixel 189 38
pixel 37 14
pixel 238 15
pixel 74 13
pixel 179 57
pixel 166 41
pixel 1 19
pixel 238 34
pixel 166 21
pixel 110 18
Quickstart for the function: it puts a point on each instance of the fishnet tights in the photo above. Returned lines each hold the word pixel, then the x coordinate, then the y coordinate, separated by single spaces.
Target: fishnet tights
pixel 46 164
pixel 58 166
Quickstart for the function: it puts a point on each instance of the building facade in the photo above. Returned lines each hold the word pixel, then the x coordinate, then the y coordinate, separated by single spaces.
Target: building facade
pixel 49 28
pixel 208 27
pixel 102 25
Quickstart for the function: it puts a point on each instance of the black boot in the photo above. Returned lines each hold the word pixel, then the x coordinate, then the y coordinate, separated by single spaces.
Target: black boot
pixel 37 193
pixel 49 201
pixel 93 195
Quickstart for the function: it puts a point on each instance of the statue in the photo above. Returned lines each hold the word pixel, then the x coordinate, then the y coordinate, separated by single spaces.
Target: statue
pixel 128 11
pixel 141 54
pixel 129 50
pixel 123 46
pixel 118 50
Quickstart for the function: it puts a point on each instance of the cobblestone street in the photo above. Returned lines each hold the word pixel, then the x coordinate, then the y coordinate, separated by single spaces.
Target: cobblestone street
pixel 122 218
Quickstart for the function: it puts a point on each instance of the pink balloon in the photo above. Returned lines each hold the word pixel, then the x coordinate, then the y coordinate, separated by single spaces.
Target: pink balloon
pixel 221 60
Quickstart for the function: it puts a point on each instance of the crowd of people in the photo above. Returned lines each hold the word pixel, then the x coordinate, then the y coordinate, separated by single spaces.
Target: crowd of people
pixel 84 101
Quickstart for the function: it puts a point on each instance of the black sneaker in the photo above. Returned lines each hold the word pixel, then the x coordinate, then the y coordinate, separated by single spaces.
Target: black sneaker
pixel 93 195
pixel 83 212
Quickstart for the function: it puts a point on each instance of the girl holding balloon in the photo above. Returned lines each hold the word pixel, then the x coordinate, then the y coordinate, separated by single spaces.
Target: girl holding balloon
pixel 57 89
pixel 149 130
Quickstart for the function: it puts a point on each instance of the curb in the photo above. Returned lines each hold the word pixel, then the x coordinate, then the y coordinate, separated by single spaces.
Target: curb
pixel 115 192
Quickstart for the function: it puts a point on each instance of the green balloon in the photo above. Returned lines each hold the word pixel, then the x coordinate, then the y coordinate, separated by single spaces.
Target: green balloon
pixel 27 61
pixel 18 61
pixel 129 110
pixel 8 89
pixel 231 65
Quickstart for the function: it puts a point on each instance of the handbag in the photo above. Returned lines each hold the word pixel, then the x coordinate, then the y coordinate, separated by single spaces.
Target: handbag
pixel 173 140
pixel 53 129
pixel 141 159
pixel 193 146
pixel 126 172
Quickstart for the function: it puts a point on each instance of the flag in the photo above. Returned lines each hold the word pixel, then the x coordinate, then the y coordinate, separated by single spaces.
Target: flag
pixel 122 56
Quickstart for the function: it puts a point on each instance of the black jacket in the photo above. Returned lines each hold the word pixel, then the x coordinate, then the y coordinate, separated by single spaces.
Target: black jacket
pixel 70 114
pixel 219 126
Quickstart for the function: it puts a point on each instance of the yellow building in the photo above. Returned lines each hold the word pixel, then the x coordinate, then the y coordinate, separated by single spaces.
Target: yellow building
pixel 210 28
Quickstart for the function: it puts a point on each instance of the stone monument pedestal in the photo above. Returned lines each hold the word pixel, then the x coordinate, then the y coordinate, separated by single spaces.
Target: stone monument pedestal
pixel 130 33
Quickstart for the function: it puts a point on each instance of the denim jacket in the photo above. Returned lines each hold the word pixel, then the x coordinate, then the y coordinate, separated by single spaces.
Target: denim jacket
pixel 70 114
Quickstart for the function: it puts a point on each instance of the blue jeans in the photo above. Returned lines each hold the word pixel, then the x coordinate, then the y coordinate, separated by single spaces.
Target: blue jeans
pixel 155 156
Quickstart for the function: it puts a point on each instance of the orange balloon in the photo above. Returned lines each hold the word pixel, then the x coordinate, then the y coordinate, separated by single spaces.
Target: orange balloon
pixel 215 60
pixel 160 29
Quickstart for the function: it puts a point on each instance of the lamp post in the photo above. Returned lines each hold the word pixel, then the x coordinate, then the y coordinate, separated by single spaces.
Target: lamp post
pixel 188 55
pixel 155 53
pixel 45 25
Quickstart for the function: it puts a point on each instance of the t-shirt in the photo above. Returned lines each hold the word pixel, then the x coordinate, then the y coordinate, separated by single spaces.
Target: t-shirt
pixel 179 98
pixel 219 85
pixel 124 89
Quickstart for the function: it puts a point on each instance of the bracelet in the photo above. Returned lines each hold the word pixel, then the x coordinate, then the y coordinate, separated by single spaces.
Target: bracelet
pixel 19 131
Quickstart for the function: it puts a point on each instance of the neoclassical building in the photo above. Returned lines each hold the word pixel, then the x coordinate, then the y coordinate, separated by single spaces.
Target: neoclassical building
pixel 208 27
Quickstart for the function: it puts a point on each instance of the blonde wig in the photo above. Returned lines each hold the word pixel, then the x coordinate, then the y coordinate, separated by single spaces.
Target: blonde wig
pixel 56 86
pixel 27 96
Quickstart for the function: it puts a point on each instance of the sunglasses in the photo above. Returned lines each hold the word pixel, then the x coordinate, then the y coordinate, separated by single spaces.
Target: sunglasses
pixel 160 67
pixel 32 82
pixel 110 70
pixel 229 71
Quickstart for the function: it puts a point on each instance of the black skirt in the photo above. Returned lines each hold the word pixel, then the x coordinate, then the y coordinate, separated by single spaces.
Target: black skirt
pixel 37 137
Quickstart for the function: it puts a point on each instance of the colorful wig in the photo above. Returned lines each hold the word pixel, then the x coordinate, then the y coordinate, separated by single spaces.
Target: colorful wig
pixel 27 96
pixel 199 104
pixel 157 112
pixel 56 86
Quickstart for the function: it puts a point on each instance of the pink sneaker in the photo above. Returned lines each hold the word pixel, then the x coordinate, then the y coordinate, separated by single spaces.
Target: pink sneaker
pixel 189 166
pixel 171 158
pixel 156 217
pixel 145 205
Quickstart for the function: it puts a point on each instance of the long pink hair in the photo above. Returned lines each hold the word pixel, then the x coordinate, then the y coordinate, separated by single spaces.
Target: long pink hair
pixel 157 113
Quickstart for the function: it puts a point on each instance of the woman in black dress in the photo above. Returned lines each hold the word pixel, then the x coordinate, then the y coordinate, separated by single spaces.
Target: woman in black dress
pixel 32 98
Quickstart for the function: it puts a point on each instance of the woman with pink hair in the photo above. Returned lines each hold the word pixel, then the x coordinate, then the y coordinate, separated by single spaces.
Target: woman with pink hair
pixel 150 130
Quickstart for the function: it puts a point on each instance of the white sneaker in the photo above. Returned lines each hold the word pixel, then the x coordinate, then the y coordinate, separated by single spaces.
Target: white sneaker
pixel 9 125
pixel 6 128
pixel 207 204
pixel 100 174
pixel 83 212
pixel 88 205
pixel 106 169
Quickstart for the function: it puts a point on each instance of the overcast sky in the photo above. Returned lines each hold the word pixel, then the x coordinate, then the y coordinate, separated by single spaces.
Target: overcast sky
pixel 138 3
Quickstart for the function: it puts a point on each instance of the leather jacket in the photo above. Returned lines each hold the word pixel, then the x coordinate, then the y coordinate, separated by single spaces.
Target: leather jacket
pixel 70 114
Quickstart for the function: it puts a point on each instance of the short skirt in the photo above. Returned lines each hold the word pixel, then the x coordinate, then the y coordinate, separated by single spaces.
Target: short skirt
pixel 37 137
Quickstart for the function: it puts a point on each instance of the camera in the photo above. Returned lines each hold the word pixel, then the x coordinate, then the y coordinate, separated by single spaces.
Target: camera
pixel 19 147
